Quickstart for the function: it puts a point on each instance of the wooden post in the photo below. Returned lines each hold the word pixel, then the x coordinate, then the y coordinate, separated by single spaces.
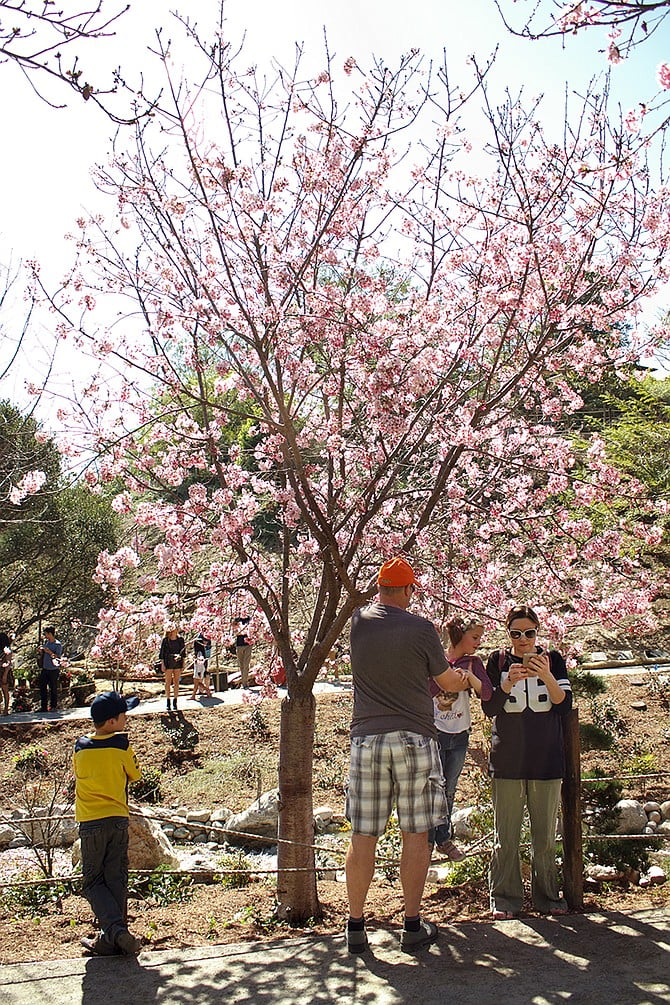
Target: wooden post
pixel 573 858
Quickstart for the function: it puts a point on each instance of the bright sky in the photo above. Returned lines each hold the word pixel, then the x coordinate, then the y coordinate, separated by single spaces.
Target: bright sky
pixel 48 154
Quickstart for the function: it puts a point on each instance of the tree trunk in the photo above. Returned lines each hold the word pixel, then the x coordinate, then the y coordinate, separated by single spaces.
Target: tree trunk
pixel 297 898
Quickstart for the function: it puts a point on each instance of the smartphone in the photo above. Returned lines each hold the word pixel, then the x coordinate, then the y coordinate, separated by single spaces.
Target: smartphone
pixel 527 657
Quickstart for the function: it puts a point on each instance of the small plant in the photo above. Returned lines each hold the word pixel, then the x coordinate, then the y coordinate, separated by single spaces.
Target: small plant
pixel 32 761
pixel 21 701
pixel 601 798
pixel 212 929
pixel 31 900
pixel 606 715
pixel 257 724
pixel 641 764
pixel 241 865
pixel 147 789
pixel 594 738
pixel 162 886
pixel 389 849
pixel 586 684
pixel 473 869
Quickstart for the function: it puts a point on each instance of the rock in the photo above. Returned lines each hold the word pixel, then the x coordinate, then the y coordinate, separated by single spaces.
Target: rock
pixel 665 809
pixel 651 807
pixel 650 828
pixel 259 819
pixel 663 828
pixel 632 818
pixel 603 872
pixel 198 816
pixel 639 706
pixel 460 823
pixel 7 835
pixel 654 876
pixel 655 817
pixel 180 833
pixel 19 842
pixel 322 818
pixel 148 846
pixel 220 815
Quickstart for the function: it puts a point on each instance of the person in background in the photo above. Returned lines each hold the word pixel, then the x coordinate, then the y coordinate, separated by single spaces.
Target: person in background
pixel 104 763
pixel 453 719
pixel 242 649
pixel 50 651
pixel 200 677
pixel 394 755
pixel 202 646
pixel 531 696
pixel 6 674
pixel 173 657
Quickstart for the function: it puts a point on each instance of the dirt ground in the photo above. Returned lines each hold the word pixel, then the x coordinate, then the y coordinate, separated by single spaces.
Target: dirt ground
pixel 191 760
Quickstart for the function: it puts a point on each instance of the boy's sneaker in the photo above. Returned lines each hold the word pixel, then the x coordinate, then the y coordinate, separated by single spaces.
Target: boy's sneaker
pixel 451 850
pixel 427 934
pixel 99 946
pixel 169 706
pixel 174 704
pixel 127 943
pixel 357 942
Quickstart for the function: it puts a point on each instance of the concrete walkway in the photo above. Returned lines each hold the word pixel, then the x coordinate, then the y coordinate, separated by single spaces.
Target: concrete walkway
pixel 153 706
pixel 592 959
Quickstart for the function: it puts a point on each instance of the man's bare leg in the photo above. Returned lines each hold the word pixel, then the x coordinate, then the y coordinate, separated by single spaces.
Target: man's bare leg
pixel 360 868
pixel 414 863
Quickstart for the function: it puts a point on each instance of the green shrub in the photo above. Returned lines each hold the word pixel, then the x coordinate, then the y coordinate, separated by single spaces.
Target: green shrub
pixel 32 761
pixel 236 861
pixel 32 900
pixel 389 848
pixel 586 684
pixel 600 798
pixel 147 789
pixel 592 737
pixel 162 886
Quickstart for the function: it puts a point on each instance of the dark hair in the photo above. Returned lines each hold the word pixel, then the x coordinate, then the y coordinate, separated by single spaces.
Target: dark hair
pixel 50 630
pixel 457 628
pixel 522 611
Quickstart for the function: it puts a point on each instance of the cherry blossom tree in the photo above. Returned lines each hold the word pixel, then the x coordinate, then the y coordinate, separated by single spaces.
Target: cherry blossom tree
pixel 628 22
pixel 45 41
pixel 389 319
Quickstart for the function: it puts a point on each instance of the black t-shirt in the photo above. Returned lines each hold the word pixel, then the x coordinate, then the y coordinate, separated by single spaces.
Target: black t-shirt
pixel 172 653
pixel 242 639
pixel 527 730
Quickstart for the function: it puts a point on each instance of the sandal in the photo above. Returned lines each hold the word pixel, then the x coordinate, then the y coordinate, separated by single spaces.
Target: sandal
pixel 502 915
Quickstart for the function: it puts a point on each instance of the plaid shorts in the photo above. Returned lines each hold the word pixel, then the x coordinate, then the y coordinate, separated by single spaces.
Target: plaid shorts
pixel 400 766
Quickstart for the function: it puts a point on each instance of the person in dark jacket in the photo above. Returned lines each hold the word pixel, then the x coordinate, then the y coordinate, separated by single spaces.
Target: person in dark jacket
pixel 531 695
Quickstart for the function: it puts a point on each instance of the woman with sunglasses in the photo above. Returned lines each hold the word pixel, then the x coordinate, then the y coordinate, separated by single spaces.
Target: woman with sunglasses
pixel 453 720
pixel 531 694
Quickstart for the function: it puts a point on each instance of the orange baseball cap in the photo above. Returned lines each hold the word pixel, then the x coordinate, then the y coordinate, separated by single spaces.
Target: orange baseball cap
pixel 397 572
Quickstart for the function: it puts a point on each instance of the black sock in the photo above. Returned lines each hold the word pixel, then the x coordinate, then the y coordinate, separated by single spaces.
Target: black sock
pixel 356 924
pixel 413 924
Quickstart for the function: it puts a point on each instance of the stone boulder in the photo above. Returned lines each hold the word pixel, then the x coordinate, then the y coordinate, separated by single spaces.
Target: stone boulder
pixel 148 846
pixel 632 818
pixel 260 819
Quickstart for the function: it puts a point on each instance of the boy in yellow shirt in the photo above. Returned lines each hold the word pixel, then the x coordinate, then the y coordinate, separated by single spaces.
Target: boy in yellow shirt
pixel 104 764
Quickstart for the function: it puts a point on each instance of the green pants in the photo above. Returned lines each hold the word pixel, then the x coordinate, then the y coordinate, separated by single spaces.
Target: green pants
pixel 510 796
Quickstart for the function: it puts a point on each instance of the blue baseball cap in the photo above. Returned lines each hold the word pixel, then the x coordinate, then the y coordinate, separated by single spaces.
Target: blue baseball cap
pixel 110 704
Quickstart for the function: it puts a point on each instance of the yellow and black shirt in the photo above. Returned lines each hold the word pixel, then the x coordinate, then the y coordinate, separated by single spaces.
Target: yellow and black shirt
pixel 103 766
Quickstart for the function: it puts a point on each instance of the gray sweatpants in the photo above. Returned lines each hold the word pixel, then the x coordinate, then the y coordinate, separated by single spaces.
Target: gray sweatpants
pixel 510 796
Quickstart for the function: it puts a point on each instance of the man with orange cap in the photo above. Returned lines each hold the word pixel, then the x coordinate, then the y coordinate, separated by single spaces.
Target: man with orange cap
pixel 394 752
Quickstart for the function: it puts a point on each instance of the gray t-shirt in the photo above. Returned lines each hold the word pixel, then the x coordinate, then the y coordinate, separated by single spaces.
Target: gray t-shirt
pixel 393 655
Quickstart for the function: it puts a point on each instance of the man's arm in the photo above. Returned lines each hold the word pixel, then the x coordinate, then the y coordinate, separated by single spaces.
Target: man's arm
pixel 452 680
